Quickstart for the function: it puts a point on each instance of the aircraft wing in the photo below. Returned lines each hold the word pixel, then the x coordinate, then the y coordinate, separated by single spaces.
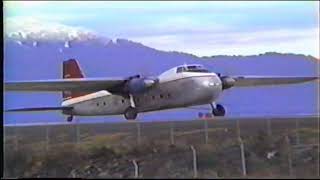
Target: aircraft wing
pixel 243 81
pixel 75 84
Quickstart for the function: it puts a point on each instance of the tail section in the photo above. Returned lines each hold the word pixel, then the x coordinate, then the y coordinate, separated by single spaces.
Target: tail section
pixel 71 69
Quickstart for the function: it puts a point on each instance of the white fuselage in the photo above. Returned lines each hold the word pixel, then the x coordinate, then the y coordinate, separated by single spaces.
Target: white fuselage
pixel 174 90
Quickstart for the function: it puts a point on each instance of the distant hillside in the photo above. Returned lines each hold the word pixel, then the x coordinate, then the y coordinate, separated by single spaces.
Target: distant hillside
pixel 28 58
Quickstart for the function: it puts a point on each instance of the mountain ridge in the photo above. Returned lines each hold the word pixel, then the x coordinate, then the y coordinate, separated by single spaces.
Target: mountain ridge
pixel 29 41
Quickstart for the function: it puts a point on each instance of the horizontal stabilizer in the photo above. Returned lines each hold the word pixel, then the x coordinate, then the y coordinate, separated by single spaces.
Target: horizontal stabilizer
pixel 40 109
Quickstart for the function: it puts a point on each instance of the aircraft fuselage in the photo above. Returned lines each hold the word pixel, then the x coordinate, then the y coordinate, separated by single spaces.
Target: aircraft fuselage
pixel 174 91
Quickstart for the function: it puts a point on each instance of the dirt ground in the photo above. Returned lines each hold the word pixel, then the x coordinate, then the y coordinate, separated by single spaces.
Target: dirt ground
pixel 273 148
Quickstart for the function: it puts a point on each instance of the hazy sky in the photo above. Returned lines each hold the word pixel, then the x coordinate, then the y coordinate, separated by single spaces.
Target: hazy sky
pixel 201 28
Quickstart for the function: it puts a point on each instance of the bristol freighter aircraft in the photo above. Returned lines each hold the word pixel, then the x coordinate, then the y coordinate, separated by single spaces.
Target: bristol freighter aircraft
pixel 178 87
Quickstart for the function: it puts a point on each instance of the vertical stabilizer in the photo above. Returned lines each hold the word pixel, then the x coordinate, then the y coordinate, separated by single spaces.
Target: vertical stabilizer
pixel 71 69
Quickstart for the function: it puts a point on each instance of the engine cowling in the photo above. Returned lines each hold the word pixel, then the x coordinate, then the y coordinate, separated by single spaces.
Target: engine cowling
pixel 227 82
pixel 139 85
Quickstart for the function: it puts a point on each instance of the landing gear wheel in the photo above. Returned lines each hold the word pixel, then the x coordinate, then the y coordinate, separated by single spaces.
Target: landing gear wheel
pixel 70 118
pixel 219 110
pixel 131 113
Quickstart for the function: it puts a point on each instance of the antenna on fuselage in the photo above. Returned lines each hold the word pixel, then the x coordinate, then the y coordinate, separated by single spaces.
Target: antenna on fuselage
pixel 185 66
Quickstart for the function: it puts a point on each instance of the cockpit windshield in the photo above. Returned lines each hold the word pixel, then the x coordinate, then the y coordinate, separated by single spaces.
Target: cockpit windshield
pixel 192 68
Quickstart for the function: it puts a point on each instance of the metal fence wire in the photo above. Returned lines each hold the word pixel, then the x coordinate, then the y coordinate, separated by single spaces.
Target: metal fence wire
pixel 204 148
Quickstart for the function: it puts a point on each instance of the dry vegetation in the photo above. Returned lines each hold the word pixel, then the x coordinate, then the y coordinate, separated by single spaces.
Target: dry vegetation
pixel 107 150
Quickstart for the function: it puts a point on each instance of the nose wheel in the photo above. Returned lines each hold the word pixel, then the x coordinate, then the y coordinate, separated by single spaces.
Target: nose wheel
pixel 219 110
pixel 131 113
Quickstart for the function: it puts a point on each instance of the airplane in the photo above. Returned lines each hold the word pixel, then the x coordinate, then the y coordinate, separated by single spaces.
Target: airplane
pixel 179 87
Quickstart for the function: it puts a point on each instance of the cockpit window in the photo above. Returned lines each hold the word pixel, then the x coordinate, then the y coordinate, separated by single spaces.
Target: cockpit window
pixel 191 69
pixel 181 69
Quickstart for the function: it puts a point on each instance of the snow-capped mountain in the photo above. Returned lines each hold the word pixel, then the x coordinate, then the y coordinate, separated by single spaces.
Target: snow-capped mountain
pixel 35 31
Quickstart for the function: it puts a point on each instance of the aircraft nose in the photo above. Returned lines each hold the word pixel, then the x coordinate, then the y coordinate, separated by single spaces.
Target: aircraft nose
pixel 210 88
pixel 208 83
pixel 211 83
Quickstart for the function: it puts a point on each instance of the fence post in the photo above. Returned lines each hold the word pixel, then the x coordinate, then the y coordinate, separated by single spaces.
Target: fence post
pixel 297 132
pixel 318 169
pixel 138 132
pixel 318 160
pixel 172 133
pixel 16 147
pixel 136 169
pixel 194 154
pixel 47 148
pixel 238 128
pixel 5 169
pixel 47 137
pixel 269 127
pixel 77 132
pixel 289 155
pixel 243 158
pixel 16 139
pixel 206 131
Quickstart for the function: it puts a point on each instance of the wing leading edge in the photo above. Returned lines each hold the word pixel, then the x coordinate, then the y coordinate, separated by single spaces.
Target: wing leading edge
pixel 76 84
pixel 244 81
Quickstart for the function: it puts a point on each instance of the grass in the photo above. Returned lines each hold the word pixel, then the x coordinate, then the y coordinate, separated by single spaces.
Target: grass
pixel 109 153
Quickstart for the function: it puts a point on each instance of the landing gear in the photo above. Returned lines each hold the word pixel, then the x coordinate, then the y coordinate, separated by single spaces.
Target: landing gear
pixel 218 110
pixel 131 113
pixel 70 118
pixel 132 103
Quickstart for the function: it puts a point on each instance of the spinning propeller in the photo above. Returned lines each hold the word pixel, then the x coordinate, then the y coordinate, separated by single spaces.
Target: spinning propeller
pixel 141 82
pixel 138 84
pixel 227 80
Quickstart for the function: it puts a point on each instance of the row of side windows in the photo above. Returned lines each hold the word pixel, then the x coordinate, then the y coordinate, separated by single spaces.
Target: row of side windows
pixel 104 103
pixel 161 96
pixel 137 100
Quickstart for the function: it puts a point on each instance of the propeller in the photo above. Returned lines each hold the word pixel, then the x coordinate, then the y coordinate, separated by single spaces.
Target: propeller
pixel 141 82
pixel 227 80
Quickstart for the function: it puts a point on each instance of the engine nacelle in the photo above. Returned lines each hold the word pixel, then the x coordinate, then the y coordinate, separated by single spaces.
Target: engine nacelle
pixel 227 82
pixel 139 85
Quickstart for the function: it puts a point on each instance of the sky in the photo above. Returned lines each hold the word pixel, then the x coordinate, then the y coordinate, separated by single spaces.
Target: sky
pixel 201 28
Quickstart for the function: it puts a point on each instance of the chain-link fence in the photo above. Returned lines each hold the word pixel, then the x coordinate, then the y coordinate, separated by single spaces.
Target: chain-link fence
pixel 207 148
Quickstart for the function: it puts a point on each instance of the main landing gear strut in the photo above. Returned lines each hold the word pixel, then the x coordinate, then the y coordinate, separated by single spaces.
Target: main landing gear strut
pixel 218 110
pixel 131 112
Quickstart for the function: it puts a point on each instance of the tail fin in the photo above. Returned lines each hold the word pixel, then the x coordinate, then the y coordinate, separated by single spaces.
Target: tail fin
pixel 71 69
